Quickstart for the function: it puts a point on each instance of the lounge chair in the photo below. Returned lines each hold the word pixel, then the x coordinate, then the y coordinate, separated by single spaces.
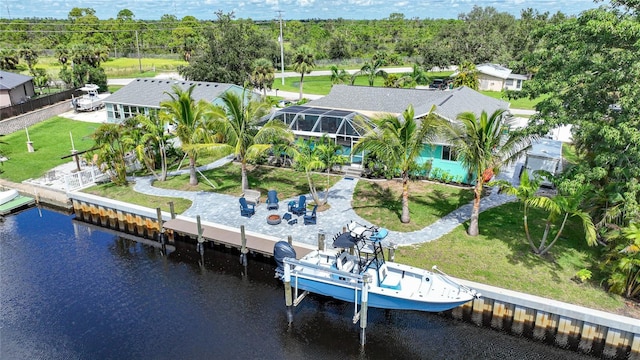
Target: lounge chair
pixel 310 218
pixel 272 200
pixel 246 209
pixel 301 207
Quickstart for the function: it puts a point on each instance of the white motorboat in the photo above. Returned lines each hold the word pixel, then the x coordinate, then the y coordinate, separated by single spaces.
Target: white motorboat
pixel 342 274
pixel 8 195
pixel 90 101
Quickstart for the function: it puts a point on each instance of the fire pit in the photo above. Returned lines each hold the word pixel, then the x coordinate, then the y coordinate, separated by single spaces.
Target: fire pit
pixel 274 219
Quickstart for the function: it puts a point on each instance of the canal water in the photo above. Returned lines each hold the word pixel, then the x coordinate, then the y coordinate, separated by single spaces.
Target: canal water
pixel 72 291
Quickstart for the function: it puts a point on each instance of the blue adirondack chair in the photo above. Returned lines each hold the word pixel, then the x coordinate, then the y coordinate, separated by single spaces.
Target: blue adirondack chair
pixel 310 218
pixel 301 207
pixel 246 209
pixel 272 200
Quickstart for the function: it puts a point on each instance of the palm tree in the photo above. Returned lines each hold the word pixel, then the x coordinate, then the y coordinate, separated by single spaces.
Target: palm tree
pixel 330 154
pixel 9 59
pixel 372 69
pixel 483 146
pixel 112 148
pixel 418 75
pixel 236 125
pixel 398 143
pixel 564 206
pixel 152 143
pixel 303 63
pixel 338 76
pixel 467 76
pixel 262 75
pixel 190 119
pixel 30 56
pixel 306 158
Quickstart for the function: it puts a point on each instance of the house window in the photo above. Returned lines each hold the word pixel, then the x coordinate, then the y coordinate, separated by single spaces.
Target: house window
pixel 519 84
pixel 509 82
pixel 448 153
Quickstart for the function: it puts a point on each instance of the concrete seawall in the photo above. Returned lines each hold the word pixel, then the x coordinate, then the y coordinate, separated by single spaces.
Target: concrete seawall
pixel 560 324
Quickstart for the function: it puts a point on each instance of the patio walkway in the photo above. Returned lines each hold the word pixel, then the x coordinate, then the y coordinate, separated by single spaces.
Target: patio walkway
pixel 224 209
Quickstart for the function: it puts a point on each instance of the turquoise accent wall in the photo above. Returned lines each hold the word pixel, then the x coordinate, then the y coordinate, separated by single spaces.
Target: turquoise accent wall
pixel 445 170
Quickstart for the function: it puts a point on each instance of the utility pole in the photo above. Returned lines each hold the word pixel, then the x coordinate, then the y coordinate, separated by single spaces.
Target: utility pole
pixel 281 46
pixel 138 47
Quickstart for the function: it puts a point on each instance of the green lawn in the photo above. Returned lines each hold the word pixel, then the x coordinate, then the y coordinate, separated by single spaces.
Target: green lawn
pixel 522 103
pixel 120 67
pixel 226 180
pixel 380 203
pixel 51 141
pixel 500 256
pixel 126 194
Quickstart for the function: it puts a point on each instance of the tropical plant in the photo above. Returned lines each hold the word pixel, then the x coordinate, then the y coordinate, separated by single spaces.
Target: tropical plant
pixel 524 192
pixel 467 75
pixel 372 69
pixel 111 151
pixel 418 75
pixel 338 76
pixel 307 159
pixel 262 75
pixel 190 119
pixel 397 142
pixel 9 59
pixel 559 206
pixel 483 146
pixel 330 154
pixel 623 261
pixel 29 55
pixel 237 129
pixel 152 143
pixel 303 63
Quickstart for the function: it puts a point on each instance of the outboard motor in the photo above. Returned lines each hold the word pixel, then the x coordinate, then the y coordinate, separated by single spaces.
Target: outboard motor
pixel 282 250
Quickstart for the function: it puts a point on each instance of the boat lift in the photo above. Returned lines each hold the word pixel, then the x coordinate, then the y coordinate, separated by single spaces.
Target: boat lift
pixel 348 280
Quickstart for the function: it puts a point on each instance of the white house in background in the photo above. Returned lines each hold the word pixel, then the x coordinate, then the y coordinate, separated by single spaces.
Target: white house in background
pixel 494 77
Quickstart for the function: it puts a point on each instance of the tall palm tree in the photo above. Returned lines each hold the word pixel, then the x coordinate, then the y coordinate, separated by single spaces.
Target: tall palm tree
pixel 306 158
pixel 262 75
pixel 483 146
pixel 398 143
pixel 372 69
pixel 236 125
pixel 190 119
pixel 303 63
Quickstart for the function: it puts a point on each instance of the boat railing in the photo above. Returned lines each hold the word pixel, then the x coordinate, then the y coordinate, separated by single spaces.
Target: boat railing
pixel 446 278
pixel 342 277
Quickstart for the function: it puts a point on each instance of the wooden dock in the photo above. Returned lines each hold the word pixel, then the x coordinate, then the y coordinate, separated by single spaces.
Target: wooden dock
pixel 231 237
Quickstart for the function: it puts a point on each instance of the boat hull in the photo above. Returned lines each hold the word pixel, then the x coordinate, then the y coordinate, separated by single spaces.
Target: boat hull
pixel 376 297
pixel 8 195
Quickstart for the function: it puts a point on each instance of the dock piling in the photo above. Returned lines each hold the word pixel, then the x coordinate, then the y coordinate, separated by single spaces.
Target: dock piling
pixel 321 237
pixel 288 296
pixel 161 234
pixel 172 210
pixel 366 279
pixel 200 246
pixel 243 250
pixel 392 251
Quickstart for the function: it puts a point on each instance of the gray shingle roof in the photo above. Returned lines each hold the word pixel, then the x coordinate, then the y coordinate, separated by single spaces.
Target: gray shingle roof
pixel 151 92
pixel 391 100
pixel 9 80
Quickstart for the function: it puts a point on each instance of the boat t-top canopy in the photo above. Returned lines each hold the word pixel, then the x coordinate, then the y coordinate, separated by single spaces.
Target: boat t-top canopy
pixel 89 87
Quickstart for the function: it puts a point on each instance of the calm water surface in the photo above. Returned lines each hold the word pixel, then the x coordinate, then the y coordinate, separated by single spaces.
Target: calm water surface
pixel 71 291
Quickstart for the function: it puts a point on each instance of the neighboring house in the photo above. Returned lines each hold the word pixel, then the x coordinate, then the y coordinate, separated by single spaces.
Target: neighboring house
pixel 15 88
pixel 143 96
pixel 494 77
pixel 335 115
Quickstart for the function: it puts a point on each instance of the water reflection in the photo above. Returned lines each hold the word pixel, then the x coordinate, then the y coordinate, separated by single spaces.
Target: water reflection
pixel 69 290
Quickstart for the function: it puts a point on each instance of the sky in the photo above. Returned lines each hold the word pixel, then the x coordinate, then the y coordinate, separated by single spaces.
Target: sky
pixel 291 9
